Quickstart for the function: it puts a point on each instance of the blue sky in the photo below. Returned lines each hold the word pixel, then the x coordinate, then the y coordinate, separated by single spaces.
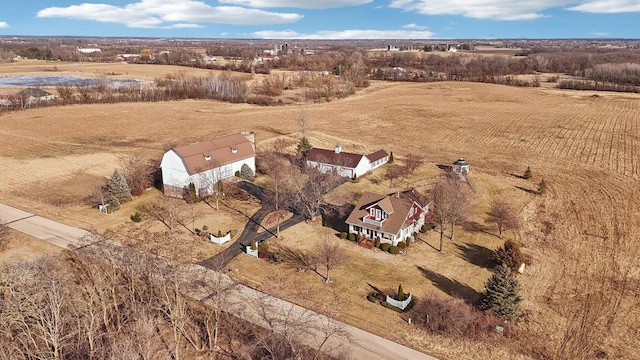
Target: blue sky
pixel 324 19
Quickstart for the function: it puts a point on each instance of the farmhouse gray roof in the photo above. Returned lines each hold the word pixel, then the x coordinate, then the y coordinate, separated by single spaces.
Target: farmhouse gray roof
pixel 205 155
pixel 344 159
pixel 400 206
pixel 461 162
pixel 35 92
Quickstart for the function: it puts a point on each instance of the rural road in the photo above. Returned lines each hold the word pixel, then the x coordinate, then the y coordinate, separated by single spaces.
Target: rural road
pixel 361 344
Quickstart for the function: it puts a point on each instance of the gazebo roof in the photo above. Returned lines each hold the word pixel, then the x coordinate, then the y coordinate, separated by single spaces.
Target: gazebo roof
pixel 461 162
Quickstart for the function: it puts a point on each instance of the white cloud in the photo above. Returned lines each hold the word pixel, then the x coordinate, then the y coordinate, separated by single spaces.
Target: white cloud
pixel 414 26
pixel 608 6
pixel 183 26
pixel 481 9
pixel 304 4
pixel 157 13
pixel 345 34
pixel 601 33
pixel 4 24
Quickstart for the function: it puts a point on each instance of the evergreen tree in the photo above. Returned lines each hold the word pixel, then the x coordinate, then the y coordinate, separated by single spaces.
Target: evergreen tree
pixel 246 172
pixel 501 294
pixel 527 173
pixel 304 146
pixel 542 187
pixel 509 254
pixel 401 295
pixel 377 243
pixel 193 195
pixel 391 158
pixel 118 187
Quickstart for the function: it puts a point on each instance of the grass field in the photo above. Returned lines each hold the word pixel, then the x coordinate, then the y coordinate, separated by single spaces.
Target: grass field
pixel 586 148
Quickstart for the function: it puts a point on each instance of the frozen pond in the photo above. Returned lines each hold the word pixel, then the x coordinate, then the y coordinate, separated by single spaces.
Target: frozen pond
pixel 62 80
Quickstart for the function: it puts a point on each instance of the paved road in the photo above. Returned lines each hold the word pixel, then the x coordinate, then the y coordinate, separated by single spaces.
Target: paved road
pixel 362 344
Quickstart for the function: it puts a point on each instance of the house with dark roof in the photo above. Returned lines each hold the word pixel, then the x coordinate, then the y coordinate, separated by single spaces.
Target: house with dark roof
pixel 392 217
pixel 345 163
pixel 205 163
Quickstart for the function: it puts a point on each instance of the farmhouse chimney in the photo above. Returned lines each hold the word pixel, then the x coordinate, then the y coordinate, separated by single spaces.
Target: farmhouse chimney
pixel 251 136
pixel 338 149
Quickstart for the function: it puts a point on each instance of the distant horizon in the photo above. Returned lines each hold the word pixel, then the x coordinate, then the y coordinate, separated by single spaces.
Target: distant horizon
pixel 325 19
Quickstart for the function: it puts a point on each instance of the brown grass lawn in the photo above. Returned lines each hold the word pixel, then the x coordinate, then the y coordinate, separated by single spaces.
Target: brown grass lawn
pixel 586 148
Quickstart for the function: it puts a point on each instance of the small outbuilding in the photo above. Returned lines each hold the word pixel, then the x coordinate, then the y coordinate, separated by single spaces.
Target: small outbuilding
pixel 461 166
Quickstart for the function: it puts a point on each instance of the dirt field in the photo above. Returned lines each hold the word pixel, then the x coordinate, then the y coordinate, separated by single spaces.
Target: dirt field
pixel 586 148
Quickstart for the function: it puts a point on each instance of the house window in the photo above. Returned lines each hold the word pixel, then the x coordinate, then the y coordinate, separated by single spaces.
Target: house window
pixel 411 212
pixel 378 214
pixel 372 212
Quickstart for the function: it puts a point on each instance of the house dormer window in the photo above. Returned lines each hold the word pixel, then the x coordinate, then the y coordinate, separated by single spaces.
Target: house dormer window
pixel 372 212
pixel 207 157
pixel 411 212
pixel 378 214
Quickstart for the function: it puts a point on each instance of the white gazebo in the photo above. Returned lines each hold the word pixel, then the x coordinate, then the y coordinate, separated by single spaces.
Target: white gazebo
pixel 461 166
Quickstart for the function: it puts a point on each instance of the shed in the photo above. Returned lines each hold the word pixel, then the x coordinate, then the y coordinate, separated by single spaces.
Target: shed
pixel 461 166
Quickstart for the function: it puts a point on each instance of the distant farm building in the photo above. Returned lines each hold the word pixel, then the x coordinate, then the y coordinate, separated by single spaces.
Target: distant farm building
pixel 205 163
pixel 344 163
pixel 89 50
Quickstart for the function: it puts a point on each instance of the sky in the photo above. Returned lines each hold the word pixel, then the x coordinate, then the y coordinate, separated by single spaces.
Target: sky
pixel 324 19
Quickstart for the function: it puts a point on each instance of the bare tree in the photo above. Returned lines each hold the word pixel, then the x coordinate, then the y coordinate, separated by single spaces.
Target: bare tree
pixel 99 195
pixel 503 215
pixel 311 189
pixel 277 168
pixel 451 200
pixel 162 209
pixel 4 234
pixel 393 172
pixel 136 171
pixel 412 162
pixel 329 255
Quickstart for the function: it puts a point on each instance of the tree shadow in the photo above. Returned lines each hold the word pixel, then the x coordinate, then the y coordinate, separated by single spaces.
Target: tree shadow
pixel 477 255
pixel 473 226
pixel 419 238
pixel 451 286
pixel 534 192
pixel 334 216
pixel 446 168
pixel 517 176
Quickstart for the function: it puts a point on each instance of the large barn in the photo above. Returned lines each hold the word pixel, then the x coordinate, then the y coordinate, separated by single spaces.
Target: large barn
pixel 205 163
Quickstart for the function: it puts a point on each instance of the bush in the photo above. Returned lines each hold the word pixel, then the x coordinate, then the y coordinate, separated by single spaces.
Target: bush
pixel 114 204
pixel 205 228
pixel 219 233
pixel 137 217
pixel 237 174
pixel 402 245
pixel 377 243
pixel 352 237
pixel 453 317
pixel 424 228
pixel 527 173
pixel 232 233
pixel 385 246
pixel 278 256
pixel 343 235
pixel 394 250
pixel 509 255
pixel 408 242
pixel 542 187
pixel 263 247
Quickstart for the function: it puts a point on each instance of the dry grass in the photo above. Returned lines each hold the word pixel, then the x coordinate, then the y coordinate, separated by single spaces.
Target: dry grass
pixel 586 148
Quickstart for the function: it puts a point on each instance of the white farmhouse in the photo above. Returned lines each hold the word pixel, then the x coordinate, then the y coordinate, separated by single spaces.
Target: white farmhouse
pixel 32 96
pixel 205 163
pixel 344 163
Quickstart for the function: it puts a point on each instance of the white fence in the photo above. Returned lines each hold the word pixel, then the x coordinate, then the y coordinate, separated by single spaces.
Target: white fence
pixel 399 304
pixel 220 240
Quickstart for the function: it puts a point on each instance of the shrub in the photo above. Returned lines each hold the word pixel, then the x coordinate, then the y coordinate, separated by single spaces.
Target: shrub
pixel 246 172
pixel 114 204
pixel 408 242
pixel 453 317
pixel 394 250
pixel 377 243
pixel 391 158
pixel 263 246
pixel 193 195
pixel 254 246
pixel 385 246
pixel 509 255
pixel 205 228
pixel 527 173
pixel 352 237
pixel 542 187
pixel 355 178
pixel 137 217
pixel 219 233
pixel 401 295
pixel 402 245
pixel 343 235
pixel 237 174
pixel 278 256
pixel 198 232
pixel 358 236
pixel 232 233
pixel 424 228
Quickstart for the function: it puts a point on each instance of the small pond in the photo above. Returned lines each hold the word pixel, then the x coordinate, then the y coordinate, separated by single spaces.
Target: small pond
pixel 62 80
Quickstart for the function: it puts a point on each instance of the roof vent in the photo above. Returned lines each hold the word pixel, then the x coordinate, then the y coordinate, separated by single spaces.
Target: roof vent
pixel 234 150
pixel 338 149
pixel 207 157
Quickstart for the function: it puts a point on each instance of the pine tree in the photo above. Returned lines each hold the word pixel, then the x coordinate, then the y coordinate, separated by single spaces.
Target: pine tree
pixel 246 172
pixel 501 294
pixel 118 187
pixel 542 187
pixel 193 195
pixel 527 173
pixel 304 146
pixel 401 295
pixel 377 243
pixel 391 158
